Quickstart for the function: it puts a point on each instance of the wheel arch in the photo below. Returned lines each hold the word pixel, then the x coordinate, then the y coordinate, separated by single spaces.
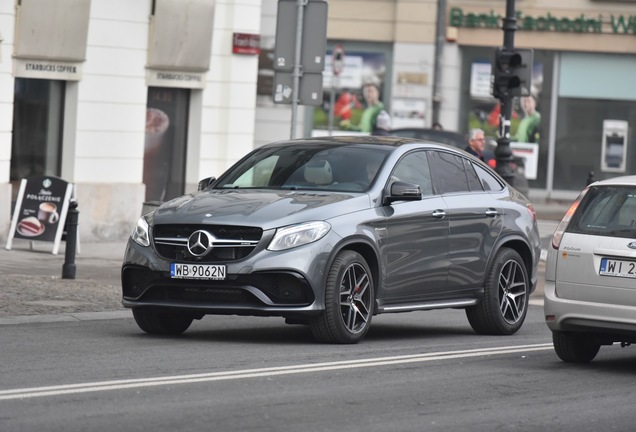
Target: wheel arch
pixel 367 250
pixel 521 247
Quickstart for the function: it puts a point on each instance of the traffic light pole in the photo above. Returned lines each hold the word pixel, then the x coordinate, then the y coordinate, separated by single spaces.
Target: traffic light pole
pixel 503 153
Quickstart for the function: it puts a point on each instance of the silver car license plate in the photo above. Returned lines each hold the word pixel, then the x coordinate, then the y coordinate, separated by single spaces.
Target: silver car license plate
pixel 618 268
pixel 197 271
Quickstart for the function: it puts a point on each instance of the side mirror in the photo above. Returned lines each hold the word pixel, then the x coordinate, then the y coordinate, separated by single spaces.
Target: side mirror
pixel 205 183
pixel 403 191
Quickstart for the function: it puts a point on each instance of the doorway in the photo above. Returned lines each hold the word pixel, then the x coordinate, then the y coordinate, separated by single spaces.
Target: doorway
pixel 165 143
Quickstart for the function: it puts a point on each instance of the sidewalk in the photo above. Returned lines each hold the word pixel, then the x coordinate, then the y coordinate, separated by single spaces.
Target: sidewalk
pixel 32 288
pixel 31 281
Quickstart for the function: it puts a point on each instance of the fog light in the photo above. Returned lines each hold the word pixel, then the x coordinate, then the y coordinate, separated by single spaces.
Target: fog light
pixel 550 318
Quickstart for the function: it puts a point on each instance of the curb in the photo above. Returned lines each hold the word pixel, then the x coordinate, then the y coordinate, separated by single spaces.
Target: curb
pixel 66 317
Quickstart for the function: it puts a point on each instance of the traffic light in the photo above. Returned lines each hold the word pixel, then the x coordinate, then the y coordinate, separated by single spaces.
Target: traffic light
pixel 512 72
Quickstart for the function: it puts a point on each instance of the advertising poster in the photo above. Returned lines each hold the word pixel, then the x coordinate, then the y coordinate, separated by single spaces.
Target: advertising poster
pixel 408 113
pixel 40 210
pixel 360 69
pixel 480 79
pixel 529 152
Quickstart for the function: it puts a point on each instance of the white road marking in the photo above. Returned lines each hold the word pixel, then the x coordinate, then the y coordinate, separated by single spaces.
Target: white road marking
pixel 33 392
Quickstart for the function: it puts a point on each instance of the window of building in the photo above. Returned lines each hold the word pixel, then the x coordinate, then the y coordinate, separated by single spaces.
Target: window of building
pixel 482 110
pixel 593 89
pixel 579 140
pixel 166 143
pixel 38 115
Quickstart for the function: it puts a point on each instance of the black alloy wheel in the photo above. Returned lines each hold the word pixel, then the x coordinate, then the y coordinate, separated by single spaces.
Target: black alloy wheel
pixel 349 301
pixel 504 306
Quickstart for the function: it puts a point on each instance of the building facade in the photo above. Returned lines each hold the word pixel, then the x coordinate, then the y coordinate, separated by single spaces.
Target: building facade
pixel 134 101
pixel 583 86
pixel 579 119
pixel 130 100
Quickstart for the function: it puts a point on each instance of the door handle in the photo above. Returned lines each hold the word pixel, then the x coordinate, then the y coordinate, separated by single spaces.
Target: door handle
pixel 439 214
pixel 492 212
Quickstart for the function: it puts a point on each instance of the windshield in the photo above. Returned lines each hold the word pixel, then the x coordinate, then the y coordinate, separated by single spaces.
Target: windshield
pixel 310 166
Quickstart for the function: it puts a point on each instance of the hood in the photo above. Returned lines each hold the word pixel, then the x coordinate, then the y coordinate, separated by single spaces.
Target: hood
pixel 264 208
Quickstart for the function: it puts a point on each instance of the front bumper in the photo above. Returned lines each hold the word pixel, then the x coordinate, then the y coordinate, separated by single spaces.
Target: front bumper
pixel 282 283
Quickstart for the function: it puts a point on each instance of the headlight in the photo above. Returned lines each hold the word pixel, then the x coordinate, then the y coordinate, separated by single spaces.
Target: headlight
pixel 140 233
pixel 298 235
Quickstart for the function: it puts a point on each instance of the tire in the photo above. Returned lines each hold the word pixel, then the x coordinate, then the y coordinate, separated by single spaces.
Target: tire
pixel 575 348
pixel 504 306
pixel 161 323
pixel 349 301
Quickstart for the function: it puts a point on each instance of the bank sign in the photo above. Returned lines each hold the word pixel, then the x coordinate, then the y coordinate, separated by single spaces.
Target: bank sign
pixel 616 24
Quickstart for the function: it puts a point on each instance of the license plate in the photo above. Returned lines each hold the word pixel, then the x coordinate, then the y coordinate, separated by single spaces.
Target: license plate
pixel 197 271
pixel 618 268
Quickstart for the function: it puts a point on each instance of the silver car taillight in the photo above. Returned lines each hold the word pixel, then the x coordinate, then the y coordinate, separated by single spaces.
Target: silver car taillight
pixel 532 211
pixel 558 233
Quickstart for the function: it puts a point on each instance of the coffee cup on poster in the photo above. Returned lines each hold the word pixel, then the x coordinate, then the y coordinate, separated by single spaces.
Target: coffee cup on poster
pixel 157 123
pixel 47 212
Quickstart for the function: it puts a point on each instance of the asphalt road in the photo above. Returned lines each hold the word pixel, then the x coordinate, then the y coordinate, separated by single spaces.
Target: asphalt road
pixel 420 371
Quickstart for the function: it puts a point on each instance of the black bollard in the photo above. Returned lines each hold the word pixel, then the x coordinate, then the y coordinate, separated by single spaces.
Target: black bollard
pixel 590 178
pixel 68 269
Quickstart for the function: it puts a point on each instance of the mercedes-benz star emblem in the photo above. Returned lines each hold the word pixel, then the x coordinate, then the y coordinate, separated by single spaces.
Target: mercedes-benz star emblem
pixel 200 242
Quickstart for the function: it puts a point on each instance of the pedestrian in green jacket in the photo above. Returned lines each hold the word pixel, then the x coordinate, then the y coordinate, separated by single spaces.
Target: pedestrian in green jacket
pixel 529 129
pixel 371 93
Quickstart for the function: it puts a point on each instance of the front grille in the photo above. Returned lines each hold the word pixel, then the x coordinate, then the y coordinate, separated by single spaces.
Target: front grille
pixel 284 289
pixel 230 243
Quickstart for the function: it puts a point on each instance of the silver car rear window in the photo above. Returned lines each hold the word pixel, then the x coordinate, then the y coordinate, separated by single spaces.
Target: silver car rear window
pixel 607 211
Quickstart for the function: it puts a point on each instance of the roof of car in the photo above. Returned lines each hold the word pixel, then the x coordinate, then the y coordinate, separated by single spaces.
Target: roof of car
pixel 353 139
pixel 618 181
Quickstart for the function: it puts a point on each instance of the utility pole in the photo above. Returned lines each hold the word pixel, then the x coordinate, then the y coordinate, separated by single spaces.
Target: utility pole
pixel 439 51
pixel 512 72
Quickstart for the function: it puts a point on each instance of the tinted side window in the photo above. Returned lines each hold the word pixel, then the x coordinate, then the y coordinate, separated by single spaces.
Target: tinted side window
pixel 473 180
pixel 413 168
pixel 449 173
pixel 488 181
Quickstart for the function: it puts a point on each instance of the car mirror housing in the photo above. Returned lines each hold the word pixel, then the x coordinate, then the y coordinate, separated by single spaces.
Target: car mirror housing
pixel 403 191
pixel 203 184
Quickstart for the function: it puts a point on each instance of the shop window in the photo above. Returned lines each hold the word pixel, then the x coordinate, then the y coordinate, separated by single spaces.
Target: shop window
pixel 529 122
pixel 38 114
pixel 166 143
pixel 579 140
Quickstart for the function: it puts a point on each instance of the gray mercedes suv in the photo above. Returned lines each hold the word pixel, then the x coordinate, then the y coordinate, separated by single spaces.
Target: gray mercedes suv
pixel 329 232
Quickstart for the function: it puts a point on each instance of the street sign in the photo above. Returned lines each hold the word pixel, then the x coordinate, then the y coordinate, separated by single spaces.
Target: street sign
pixel 310 92
pixel 338 59
pixel 314 36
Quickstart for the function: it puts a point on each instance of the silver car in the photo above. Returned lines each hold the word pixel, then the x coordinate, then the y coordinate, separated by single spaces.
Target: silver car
pixel 329 232
pixel 590 286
